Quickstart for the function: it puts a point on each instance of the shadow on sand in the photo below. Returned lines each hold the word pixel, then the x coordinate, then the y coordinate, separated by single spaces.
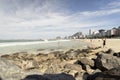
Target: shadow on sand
pixel 61 76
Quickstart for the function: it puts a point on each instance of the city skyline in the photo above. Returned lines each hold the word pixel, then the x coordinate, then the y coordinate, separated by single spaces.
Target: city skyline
pixel 36 19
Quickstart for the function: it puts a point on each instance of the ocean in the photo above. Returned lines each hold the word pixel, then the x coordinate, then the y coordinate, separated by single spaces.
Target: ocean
pixel 8 47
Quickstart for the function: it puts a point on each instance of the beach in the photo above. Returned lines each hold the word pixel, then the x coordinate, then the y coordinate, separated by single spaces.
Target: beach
pixel 110 43
pixel 81 61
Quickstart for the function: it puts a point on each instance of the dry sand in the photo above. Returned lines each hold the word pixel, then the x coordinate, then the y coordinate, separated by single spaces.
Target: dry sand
pixel 110 43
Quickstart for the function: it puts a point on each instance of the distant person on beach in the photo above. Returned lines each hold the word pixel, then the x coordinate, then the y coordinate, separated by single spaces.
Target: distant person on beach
pixel 104 42
pixel 91 40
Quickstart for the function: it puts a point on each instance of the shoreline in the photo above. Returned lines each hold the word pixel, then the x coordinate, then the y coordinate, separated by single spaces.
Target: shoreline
pixel 44 46
pixel 28 43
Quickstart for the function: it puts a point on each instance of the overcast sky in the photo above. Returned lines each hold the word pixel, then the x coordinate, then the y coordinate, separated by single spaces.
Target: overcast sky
pixel 35 19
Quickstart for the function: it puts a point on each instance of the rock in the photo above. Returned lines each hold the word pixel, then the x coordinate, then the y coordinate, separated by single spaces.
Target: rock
pixel 87 61
pixel 60 76
pixel 40 57
pixel 9 70
pixel 0 78
pixel 112 74
pixel 53 67
pixel 27 65
pixel 22 56
pixel 5 56
pixel 73 67
pixel 117 54
pixel 41 54
pixel 73 73
pixel 89 70
pixel 96 71
pixel 78 62
pixel 78 51
pixel 61 57
pixel 86 50
pixel 109 51
pixel 55 54
pixel 69 51
pixel 71 55
pixel 86 64
pixel 35 77
pixel 106 62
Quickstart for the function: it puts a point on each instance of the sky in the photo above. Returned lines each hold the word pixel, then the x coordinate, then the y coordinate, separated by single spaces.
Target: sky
pixel 43 19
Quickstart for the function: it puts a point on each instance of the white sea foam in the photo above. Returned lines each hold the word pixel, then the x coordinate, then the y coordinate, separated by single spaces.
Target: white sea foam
pixel 27 43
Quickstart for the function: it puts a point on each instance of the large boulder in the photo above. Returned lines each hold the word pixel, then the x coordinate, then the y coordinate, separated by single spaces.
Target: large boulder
pixel 35 77
pixel 112 74
pixel 87 61
pixel 53 66
pixel 29 64
pixel 72 55
pixel 106 61
pixel 9 70
pixel 110 51
pixel 60 76
pixel 117 54
pixel 73 67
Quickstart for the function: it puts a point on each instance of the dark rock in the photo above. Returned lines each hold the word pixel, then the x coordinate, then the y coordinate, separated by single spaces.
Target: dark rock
pixel 112 74
pixel 106 62
pixel 41 54
pixel 109 51
pixel 6 56
pixel 0 78
pixel 61 76
pixel 98 47
pixel 117 54
pixel 35 77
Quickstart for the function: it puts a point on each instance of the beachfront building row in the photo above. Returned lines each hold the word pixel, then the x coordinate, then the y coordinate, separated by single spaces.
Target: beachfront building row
pixel 114 32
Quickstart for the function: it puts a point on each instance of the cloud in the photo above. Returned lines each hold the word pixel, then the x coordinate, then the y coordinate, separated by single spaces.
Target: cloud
pixel 114 4
pixel 46 19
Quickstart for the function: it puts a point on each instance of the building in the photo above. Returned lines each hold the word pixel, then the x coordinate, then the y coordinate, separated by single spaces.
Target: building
pixel 91 31
pixel 112 32
pixel 118 31
pixel 78 35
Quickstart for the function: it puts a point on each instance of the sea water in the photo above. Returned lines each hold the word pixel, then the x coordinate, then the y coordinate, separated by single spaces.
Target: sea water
pixel 13 47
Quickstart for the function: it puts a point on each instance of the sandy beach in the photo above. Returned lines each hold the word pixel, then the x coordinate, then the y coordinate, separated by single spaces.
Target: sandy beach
pixel 110 43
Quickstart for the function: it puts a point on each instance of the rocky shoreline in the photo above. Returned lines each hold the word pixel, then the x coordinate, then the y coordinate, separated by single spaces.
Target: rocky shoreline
pixel 75 64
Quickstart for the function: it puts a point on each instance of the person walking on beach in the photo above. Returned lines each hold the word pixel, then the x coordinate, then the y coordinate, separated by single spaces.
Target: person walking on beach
pixel 104 42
